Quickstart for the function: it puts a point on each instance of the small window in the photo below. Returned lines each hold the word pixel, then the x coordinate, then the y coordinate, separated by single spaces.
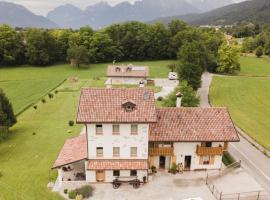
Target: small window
pixel 134 129
pixel 116 172
pixel 99 129
pixel 133 172
pixel 99 151
pixel 206 160
pixel 133 151
pixel 206 144
pixel 116 151
pixel 116 129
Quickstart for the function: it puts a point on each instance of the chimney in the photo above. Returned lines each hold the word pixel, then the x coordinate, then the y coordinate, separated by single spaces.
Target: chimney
pixel 141 83
pixel 179 96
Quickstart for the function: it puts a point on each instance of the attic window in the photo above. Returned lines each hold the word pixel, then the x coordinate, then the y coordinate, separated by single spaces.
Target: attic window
pixel 117 69
pixel 129 69
pixel 128 105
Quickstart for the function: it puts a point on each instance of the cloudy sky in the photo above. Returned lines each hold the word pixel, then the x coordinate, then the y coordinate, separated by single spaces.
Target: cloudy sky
pixel 41 7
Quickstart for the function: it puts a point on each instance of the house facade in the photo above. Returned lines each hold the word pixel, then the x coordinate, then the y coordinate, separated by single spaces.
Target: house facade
pixel 126 74
pixel 126 135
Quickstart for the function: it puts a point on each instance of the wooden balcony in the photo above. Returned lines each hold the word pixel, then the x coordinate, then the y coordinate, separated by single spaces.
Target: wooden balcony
pixel 209 151
pixel 161 151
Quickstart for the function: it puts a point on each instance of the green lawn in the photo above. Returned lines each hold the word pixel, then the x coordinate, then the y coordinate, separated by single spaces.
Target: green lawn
pixel 25 85
pixel 248 100
pixel 252 66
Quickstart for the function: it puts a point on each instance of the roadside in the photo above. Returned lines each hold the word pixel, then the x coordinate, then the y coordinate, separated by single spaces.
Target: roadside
pixel 253 160
pixel 167 87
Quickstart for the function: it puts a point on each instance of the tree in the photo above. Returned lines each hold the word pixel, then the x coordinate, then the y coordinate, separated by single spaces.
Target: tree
pixel 189 98
pixel 248 45
pixel 7 117
pixel 40 47
pixel 228 59
pixel 78 55
pixel 267 48
pixel 176 26
pixel 259 51
pixel 11 46
pixel 172 67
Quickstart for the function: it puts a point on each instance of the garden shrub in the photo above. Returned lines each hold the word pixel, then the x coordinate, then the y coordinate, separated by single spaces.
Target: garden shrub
pixel 227 159
pixel 173 168
pixel 160 98
pixel 34 133
pixel 71 123
pixel 72 194
pixel 50 95
pixel 65 191
pixel 86 191
pixel 56 91
pixel 35 107
pixel 43 100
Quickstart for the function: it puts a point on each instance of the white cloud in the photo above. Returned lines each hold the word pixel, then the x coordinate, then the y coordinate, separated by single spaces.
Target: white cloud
pixel 42 7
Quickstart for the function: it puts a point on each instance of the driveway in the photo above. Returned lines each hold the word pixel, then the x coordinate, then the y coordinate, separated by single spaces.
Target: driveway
pixel 253 160
pixel 164 186
pixel 167 86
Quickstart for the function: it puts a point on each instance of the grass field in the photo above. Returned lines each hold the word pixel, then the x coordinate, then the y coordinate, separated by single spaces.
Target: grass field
pixel 24 85
pixel 252 66
pixel 248 100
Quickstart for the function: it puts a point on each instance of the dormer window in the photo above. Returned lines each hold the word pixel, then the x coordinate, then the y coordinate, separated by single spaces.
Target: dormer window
pixel 117 69
pixel 129 69
pixel 128 105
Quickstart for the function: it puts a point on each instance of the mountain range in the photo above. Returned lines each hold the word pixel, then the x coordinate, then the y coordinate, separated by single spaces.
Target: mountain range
pixel 103 14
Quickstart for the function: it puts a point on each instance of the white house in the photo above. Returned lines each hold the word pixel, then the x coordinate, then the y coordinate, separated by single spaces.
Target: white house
pixel 126 135
pixel 126 74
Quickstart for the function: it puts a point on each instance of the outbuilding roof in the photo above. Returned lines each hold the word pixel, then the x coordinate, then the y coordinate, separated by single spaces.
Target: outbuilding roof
pixel 74 150
pixel 127 71
pixel 106 106
pixel 192 125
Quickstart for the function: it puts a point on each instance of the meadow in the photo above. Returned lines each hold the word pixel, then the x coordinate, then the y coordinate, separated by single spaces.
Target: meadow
pixel 33 144
pixel 247 97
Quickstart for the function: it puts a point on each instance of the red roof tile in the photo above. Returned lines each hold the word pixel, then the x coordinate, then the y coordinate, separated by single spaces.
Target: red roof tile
pixel 122 71
pixel 105 106
pixel 74 149
pixel 193 124
pixel 117 164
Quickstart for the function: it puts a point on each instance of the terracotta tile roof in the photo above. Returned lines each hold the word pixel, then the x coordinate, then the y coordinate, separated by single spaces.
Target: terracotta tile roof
pixel 122 71
pixel 105 106
pixel 117 164
pixel 74 149
pixel 193 124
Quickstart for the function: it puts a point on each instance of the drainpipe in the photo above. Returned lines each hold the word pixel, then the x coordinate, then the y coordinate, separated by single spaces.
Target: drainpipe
pixel 179 96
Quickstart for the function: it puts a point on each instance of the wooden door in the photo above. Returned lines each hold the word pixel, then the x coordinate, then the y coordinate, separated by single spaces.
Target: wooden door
pixel 100 176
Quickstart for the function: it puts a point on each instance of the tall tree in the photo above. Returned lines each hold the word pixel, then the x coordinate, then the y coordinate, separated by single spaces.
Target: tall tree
pixel 78 55
pixel 7 117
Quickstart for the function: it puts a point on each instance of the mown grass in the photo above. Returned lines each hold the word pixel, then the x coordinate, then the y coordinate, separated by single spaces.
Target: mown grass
pixel 253 66
pixel 248 100
pixel 24 85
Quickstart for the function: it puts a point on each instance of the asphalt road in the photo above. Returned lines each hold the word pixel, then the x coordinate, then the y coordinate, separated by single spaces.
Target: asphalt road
pixel 253 160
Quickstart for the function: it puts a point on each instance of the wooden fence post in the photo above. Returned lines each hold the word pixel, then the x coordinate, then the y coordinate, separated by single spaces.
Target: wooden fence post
pixel 258 195
pixel 220 196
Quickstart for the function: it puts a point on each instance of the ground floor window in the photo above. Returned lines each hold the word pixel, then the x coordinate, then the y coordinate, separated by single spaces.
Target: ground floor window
pixel 116 172
pixel 133 172
pixel 207 160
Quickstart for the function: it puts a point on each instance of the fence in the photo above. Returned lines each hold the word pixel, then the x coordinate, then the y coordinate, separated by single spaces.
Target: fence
pixel 253 195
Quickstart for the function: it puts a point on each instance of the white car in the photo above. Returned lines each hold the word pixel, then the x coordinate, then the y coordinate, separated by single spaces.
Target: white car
pixel 197 198
pixel 172 76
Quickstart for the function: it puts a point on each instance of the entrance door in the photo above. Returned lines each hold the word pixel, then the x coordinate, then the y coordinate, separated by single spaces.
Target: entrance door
pixel 187 162
pixel 162 162
pixel 100 176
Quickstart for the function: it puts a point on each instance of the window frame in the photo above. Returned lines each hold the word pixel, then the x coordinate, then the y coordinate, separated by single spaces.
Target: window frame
pixel 133 155
pixel 206 162
pixel 99 132
pixel 133 171
pixel 113 132
pixel 97 154
pixel 116 171
pixel 132 132
pixel 115 155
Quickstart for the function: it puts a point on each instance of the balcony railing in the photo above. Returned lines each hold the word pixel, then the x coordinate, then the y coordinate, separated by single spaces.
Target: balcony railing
pixel 161 151
pixel 209 151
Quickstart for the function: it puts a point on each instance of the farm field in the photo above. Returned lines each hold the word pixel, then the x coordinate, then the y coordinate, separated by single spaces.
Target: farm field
pixel 247 98
pixel 25 85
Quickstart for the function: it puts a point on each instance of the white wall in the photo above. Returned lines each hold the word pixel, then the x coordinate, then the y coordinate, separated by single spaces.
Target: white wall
pixel 189 149
pixel 119 80
pixel 91 175
pixel 125 140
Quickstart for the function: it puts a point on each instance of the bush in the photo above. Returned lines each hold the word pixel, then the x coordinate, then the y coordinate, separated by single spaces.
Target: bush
pixel 43 100
pixel 65 191
pixel 3 133
pixel 79 197
pixel 72 194
pixel 227 159
pixel 259 51
pixel 34 133
pixel 86 191
pixel 35 107
pixel 173 168
pixel 153 169
pixel 56 91
pixel 71 123
pixel 50 95
pixel 160 98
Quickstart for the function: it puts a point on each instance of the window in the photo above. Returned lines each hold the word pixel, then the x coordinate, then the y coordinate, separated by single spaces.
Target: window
pixel 116 129
pixel 116 172
pixel 134 129
pixel 133 151
pixel 205 160
pixel 116 151
pixel 99 129
pixel 99 151
pixel 133 172
pixel 206 144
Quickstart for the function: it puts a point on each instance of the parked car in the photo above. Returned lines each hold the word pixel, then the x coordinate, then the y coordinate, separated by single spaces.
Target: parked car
pixel 172 76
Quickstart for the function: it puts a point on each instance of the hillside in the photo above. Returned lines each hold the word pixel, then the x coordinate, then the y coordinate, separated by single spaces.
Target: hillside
pixel 255 11
pixel 18 16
